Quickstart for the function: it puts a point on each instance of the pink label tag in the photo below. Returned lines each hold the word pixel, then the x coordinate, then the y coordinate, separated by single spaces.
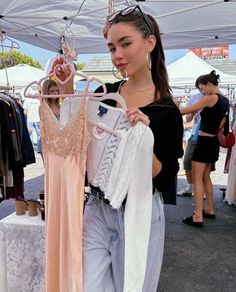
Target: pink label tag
pixel 99 133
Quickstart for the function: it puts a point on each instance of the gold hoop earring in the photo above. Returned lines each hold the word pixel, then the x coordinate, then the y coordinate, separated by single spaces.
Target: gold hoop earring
pixel 149 61
pixel 118 73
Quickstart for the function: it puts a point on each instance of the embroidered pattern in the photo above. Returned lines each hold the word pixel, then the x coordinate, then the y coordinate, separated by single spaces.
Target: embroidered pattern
pixel 116 193
pixel 71 139
pixel 109 154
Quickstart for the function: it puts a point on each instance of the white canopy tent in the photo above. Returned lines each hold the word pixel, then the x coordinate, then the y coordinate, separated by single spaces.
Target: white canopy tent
pixel 184 23
pixel 184 72
pixel 20 75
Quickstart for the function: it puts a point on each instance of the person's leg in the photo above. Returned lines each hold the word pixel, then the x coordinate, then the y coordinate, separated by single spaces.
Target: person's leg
pixel 97 271
pixel 40 150
pixel 188 191
pixel 208 187
pixel 186 137
pixel 198 175
pixel 30 127
pixel 156 246
pixel 189 177
pixel 37 130
pixel 184 145
pixel 155 249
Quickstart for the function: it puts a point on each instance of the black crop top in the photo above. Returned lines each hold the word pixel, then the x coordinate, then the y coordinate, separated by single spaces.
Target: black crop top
pixel 166 124
pixel 211 117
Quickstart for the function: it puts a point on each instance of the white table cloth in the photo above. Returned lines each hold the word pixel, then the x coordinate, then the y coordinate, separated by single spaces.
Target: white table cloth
pixel 22 254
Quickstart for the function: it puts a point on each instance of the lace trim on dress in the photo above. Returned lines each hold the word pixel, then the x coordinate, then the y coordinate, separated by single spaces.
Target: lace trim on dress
pixel 70 139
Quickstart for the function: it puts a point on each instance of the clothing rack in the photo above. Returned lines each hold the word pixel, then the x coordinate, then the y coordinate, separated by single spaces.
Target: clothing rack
pixel 6 42
pixel 16 150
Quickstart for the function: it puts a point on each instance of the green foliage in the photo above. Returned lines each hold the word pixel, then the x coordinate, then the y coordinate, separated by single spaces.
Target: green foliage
pixel 18 58
pixel 80 65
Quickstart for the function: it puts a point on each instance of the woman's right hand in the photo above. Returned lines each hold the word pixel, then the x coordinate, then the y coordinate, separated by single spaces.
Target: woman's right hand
pixel 135 115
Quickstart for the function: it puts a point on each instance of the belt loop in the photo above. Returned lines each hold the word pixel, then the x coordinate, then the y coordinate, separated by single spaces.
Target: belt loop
pixel 86 195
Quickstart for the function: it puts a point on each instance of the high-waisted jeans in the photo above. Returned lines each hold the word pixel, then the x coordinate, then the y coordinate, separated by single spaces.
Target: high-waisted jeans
pixel 103 247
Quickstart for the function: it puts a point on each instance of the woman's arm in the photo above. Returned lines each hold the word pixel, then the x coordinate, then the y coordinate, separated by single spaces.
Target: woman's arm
pixel 207 100
pixel 156 166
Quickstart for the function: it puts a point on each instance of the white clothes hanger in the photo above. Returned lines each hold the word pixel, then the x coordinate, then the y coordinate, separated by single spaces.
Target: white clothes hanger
pixel 101 126
pixel 114 96
pixel 76 94
pixel 7 42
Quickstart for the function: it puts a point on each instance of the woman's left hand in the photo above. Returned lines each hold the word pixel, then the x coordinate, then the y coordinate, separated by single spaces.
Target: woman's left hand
pixel 64 75
pixel 135 115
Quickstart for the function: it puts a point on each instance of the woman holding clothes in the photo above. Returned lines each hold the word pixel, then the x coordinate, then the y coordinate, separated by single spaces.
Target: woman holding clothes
pixel 134 41
pixel 214 107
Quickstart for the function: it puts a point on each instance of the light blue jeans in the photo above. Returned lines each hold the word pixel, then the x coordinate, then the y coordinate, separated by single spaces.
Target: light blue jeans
pixel 103 247
pixel 31 127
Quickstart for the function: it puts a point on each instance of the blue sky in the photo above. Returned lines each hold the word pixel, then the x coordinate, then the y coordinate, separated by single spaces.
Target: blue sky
pixel 42 55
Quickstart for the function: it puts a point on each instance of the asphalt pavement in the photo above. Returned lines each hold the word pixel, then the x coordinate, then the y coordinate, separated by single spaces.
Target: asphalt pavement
pixel 195 260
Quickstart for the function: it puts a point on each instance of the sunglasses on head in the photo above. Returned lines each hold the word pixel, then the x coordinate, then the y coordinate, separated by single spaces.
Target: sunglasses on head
pixel 129 10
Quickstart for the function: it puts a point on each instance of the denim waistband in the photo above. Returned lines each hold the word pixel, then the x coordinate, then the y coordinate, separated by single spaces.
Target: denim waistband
pixel 96 192
pixel 100 195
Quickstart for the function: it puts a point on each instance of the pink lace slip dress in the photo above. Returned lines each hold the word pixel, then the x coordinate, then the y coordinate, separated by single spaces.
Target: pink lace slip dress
pixel 64 152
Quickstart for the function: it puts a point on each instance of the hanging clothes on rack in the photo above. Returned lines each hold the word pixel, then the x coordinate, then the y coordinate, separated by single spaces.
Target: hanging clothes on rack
pixel 64 152
pixel 230 197
pixel 111 168
pixel 16 149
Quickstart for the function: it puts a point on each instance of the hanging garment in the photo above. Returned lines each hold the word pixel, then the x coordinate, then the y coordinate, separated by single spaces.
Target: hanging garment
pixel 119 162
pixel 106 124
pixel 230 197
pixel 16 148
pixel 131 177
pixel 64 151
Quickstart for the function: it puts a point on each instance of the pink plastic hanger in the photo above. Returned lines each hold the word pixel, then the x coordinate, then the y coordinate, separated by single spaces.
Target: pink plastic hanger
pixel 73 73
pixel 76 94
pixel 64 65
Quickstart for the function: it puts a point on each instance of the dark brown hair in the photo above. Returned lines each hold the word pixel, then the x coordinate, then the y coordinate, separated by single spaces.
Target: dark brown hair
pixel 48 83
pixel 159 72
pixel 211 77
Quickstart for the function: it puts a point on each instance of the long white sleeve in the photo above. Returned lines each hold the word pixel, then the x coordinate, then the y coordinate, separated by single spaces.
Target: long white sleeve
pixel 138 211
pixel 131 176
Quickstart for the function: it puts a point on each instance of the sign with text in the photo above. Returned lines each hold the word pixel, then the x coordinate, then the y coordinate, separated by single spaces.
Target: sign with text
pixel 221 52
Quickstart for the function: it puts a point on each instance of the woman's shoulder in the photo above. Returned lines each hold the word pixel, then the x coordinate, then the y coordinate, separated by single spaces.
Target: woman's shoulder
pixel 223 98
pixel 163 107
pixel 216 99
pixel 164 112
